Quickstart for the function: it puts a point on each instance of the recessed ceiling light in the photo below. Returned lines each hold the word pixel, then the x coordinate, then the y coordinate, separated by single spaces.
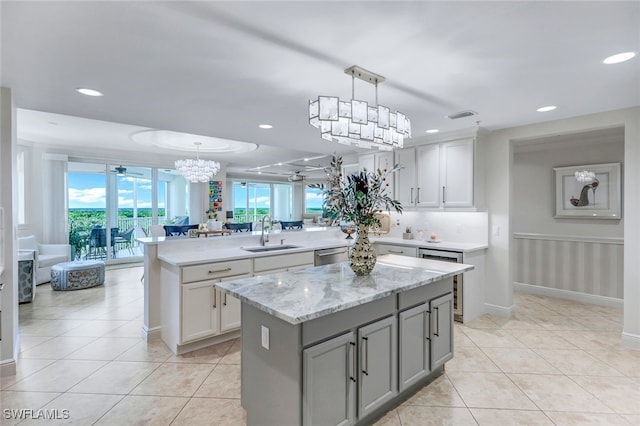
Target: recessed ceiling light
pixel 306 159
pixel 265 126
pixel 89 92
pixel 546 108
pixel 279 164
pixel 620 57
pixel 259 173
pixel 432 131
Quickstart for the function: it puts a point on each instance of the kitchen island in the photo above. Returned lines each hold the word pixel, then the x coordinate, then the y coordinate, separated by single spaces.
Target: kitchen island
pixel 324 346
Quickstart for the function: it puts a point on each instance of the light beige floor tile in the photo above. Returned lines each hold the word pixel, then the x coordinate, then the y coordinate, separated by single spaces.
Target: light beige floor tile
pixel 489 390
pixel 481 322
pixel 558 393
pixel 521 360
pixel 586 419
pixel 105 348
pixel 489 417
pixel 589 340
pixel 392 418
pixel 144 410
pixel 129 329
pixel 559 322
pixel 622 394
pixel 519 321
pixel 541 339
pixel 59 376
pixel 174 379
pixel 598 322
pixel 460 338
pixel 94 328
pixel 417 415
pixel 117 377
pixel 82 409
pixel 471 358
pixel 633 419
pixel 576 362
pixel 440 392
pixel 223 382
pixel 24 368
pixel 233 354
pixel 57 348
pixel 10 400
pixel 211 355
pixel 625 360
pixel 47 327
pixel 493 339
pixel 154 351
pixel 211 411
pixel 28 342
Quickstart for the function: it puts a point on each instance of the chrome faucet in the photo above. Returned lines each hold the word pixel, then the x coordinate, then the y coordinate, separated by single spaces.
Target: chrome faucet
pixel 264 237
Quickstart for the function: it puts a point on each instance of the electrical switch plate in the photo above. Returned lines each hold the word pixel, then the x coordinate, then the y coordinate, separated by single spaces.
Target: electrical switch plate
pixel 265 337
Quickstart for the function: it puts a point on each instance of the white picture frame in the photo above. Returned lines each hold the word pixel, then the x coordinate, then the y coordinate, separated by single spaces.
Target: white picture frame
pixel 599 198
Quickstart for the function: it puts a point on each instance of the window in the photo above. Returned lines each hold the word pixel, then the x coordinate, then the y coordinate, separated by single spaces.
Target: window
pixel 253 200
pixel 313 200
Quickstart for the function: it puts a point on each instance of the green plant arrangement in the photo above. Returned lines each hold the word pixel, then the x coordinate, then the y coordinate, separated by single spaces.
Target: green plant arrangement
pixel 357 199
pixel 211 214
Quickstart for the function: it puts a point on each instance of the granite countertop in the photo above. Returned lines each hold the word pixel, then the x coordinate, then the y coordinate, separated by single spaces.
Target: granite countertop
pixel 442 245
pixel 188 257
pixel 303 295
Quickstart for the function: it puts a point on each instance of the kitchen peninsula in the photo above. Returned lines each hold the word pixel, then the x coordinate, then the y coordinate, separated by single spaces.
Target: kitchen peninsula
pixel 324 346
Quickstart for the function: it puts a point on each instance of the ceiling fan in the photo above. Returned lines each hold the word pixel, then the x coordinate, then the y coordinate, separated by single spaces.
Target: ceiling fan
pixel 122 171
pixel 296 177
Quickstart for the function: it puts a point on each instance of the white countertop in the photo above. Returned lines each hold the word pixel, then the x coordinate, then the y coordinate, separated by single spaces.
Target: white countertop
pixel 443 245
pixel 191 257
pixel 303 295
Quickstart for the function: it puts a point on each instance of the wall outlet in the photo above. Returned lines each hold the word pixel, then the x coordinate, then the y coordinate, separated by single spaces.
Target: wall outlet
pixel 265 337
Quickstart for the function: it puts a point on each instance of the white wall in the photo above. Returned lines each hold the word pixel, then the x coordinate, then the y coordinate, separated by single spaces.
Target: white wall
pixel 462 227
pixel 500 199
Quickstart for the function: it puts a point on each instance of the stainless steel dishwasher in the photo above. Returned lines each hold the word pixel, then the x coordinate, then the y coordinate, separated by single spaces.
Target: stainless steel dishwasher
pixel 332 255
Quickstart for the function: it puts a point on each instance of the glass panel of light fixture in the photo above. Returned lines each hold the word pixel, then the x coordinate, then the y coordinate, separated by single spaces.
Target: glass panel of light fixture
pixel 401 122
pixel 328 108
pixel 344 109
pixel 342 140
pixel 386 136
pixel 313 109
pixel 373 114
pixel 325 126
pixel 340 127
pixel 392 120
pixel 354 128
pixel 383 116
pixel 359 111
pixel 326 136
pixel 315 122
pixel 366 131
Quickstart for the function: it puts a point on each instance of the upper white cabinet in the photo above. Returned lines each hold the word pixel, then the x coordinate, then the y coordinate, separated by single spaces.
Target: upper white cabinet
pixel 437 175
pixel 379 160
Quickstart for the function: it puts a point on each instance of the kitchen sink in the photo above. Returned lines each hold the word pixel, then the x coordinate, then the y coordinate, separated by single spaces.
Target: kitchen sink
pixel 261 249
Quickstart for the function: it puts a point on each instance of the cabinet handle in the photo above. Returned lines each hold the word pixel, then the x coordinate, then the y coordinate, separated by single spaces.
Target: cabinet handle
pixel 428 325
pixel 352 346
pixel 217 271
pixel 224 301
pixel 443 198
pixel 396 251
pixel 437 332
pixel 417 195
pixel 366 357
pixel 411 196
pixel 215 297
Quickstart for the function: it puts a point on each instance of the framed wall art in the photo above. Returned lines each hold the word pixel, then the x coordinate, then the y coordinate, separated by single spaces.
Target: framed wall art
pixel 589 191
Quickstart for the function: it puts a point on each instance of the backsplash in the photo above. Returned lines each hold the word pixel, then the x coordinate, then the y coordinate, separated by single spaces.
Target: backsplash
pixel 459 227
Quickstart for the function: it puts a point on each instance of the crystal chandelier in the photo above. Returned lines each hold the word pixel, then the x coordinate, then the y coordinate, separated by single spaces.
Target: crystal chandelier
pixel 585 176
pixel 197 170
pixel 356 122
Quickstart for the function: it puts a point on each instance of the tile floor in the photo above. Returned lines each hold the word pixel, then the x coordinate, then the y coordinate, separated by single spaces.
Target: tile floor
pixel 555 362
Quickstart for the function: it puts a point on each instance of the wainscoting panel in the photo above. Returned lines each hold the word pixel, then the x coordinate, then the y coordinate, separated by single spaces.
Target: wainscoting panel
pixel 580 264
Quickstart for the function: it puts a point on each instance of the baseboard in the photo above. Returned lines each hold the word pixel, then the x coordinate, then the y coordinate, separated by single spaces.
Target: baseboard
pixel 631 340
pixel 188 347
pixel 576 296
pixel 8 367
pixel 151 334
pixel 499 311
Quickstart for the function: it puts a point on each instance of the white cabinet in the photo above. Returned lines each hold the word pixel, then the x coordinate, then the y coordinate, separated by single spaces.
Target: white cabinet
pixel 437 175
pixel 283 262
pixel 199 311
pixel 379 160
pixel 230 312
pixel 395 249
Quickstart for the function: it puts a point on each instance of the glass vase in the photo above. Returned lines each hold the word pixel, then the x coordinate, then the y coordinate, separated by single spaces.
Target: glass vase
pixel 362 256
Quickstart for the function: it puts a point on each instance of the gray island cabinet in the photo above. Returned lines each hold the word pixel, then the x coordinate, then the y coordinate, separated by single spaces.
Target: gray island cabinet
pixel 322 346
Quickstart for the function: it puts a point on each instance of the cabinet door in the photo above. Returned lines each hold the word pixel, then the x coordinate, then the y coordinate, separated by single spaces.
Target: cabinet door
pixel 329 382
pixel 441 330
pixel 199 311
pixel 457 173
pixel 384 160
pixel 428 190
pixel 405 178
pixel 367 162
pixel 393 249
pixel 377 374
pixel 414 345
pixel 229 312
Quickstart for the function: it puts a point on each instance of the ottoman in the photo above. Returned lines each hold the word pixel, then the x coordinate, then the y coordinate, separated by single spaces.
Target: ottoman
pixel 77 275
